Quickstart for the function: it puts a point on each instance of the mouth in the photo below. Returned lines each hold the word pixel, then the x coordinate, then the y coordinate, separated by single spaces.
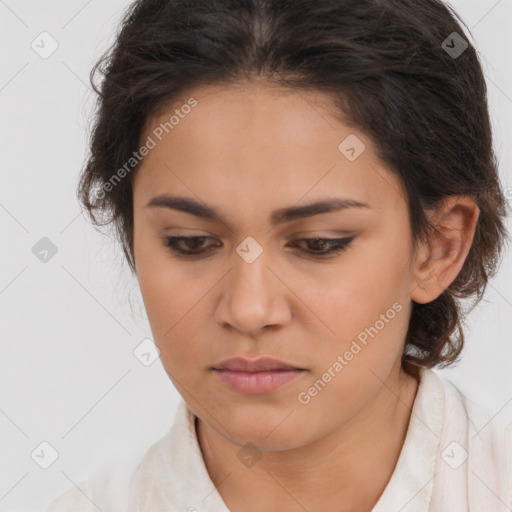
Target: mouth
pixel 258 376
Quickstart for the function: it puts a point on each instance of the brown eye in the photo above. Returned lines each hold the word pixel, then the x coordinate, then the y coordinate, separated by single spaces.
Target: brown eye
pixel 190 245
pixel 325 246
pixel 194 245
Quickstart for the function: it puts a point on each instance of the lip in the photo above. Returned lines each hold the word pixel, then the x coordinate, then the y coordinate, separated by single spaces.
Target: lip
pixel 258 376
pixel 261 364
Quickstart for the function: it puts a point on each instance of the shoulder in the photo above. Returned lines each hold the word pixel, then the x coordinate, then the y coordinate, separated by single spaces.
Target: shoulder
pixel 76 498
pixel 477 443
pixel 481 422
pixel 112 487
pixel 128 481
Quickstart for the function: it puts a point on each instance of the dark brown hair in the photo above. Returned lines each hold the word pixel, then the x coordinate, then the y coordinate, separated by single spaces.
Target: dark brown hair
pixel 387 65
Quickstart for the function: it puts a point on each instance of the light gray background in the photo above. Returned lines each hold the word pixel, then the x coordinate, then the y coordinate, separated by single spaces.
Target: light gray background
pixel 69 326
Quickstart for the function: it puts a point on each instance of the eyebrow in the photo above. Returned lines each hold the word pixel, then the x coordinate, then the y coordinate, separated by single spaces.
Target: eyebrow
pixel 279 216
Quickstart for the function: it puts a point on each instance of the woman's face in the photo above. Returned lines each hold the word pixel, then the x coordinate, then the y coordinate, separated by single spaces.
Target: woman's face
pixel 253 286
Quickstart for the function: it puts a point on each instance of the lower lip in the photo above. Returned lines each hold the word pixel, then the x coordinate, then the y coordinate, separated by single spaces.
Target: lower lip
pixel 257 382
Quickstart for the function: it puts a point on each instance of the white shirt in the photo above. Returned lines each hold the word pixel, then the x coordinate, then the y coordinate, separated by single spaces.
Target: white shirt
pixel 456 457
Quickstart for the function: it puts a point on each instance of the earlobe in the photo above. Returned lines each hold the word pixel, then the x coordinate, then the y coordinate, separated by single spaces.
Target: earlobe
pixel 441 258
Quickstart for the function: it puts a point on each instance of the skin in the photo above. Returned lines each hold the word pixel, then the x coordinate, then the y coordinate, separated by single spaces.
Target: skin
pixel 247 150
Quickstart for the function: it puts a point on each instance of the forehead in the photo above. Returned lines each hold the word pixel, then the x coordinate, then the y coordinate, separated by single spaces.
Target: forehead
pixel 249 117
pixel 261 142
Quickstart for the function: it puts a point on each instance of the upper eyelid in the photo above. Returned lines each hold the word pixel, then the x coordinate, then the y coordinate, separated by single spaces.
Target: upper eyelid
pixel 312 233
pixel 329 238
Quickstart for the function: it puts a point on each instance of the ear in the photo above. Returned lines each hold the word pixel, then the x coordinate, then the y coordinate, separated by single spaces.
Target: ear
pixel 440 259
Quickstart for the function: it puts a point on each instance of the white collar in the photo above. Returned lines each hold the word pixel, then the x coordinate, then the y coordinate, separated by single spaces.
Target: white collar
pixel 412 482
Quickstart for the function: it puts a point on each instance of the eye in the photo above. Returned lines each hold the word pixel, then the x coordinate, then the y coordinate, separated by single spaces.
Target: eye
pixel 194 245
pixel 320 247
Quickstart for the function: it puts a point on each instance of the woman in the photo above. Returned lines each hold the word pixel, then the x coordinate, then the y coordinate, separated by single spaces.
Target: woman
pixel 305 192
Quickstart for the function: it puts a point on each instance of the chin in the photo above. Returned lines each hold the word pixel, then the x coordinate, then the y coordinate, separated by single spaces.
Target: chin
pixel 262 441
pixel 268 432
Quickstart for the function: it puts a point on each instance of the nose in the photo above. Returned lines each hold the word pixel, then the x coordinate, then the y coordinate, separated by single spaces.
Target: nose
pixel 253 298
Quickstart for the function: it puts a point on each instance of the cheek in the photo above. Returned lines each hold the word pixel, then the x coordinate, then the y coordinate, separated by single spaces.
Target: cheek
pixel 349 297
pixel 172 305
pixel 364 314
pixel 162 288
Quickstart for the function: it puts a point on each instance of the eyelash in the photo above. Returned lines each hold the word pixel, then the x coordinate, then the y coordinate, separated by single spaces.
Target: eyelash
pixel 338 245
